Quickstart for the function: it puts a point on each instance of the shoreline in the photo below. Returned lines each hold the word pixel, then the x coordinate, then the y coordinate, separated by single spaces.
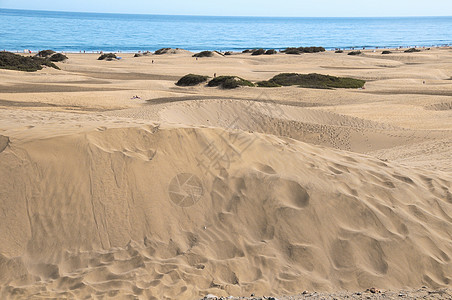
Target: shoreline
pixel 235 51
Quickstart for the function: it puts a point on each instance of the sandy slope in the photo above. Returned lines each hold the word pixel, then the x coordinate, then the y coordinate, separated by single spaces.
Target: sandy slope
pixel 190 191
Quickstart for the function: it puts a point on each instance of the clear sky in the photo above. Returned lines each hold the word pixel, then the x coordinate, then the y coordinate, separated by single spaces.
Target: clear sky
pixel 284 8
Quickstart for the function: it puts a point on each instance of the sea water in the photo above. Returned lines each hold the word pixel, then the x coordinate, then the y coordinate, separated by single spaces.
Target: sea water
pixel 74 32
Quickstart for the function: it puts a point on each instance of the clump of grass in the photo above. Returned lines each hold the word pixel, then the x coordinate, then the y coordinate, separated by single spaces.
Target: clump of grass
pixel 317 81
pixel 270 52
pixel 339 51
pixel 386 52
pixel 162 51
pixel 247 51
pixel 17 62
pixel 267 84
pixel 354 53
pixel 294 51
pixel 301 50
pixel 228 53
pixel 191 80
pixel 137 55
pixel 58 57
pixel 204 54
pixel 412 50
pixel 45 53
pixel 258 52
pixel 107 56
pixel 229 82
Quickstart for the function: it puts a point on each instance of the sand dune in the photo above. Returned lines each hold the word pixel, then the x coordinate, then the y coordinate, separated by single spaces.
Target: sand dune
pixel 190 191
pixel 90 213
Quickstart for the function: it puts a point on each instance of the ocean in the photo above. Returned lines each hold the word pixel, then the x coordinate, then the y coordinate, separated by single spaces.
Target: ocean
pixel 74 32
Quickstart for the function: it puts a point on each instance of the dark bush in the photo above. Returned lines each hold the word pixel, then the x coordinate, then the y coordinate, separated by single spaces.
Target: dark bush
pixel 162 51
pixel 339 51
pixel 228 53
pixel 147 53
pixel 229 82
pixel 267 84
pixel 247 51
pixel 292 51
pixel 17 62
pixel 258 52
pixel 191 80
pixel 411 50
pixel 204 54
pixel 45 53
pixel 386 52
pixel 58 57
pixel 270 52
pixel 354 53
pixel 107 56
pixel 314 80
pixel 137 55
pixel 311 49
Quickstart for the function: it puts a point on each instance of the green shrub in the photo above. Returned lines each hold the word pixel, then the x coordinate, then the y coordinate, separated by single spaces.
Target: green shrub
pixel 191 80
pixel 229 82
pixel 270 52
pixel 267 83
pixel 58 57
pixel 386 52
pixel 204 54
pixel 162 51
pixel 339 51
pixel 45 53
pixel 354 53
pixel 314 80
pixel 107 56
pixel 17 62
pixel 411 50
pixel 258 52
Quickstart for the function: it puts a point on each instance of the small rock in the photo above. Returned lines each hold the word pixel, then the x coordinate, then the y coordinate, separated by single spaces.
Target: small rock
pixel 305 292
pixel 210 296
pixel 359 294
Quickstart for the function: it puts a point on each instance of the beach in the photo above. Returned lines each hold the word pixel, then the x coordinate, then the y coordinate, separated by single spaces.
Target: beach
pixel 115 182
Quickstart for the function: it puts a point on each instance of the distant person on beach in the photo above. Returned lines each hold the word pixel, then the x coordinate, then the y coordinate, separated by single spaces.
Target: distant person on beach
pixel 214 75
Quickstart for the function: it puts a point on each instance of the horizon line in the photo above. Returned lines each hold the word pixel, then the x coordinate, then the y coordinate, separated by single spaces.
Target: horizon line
pixel 219 16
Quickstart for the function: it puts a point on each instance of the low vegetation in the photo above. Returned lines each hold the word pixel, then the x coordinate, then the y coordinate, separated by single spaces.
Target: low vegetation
pixel 247 51
pixel 229 82
pixel 355 53
pixel 270 52
pixel 45 53
pixel 267 84
pixel 339 51
pixel 228 53
pixel 107 56
pixel 412 50
pixel 317 81
pixel 191 80
pixel 162 51
pixel 203 54
pixel 258 52
pixel 137 55
pixel 386 52
pixel 301 50
pixel 57 57
pixel 18 62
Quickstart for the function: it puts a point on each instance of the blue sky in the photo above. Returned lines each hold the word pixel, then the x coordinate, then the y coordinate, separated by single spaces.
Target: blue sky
pixel 287 8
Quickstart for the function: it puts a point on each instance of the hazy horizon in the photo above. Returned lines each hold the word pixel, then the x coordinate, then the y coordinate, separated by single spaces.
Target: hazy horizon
pixel 253 8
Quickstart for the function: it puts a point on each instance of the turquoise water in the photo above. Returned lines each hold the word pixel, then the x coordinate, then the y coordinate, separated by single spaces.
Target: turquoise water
pixel 66 31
